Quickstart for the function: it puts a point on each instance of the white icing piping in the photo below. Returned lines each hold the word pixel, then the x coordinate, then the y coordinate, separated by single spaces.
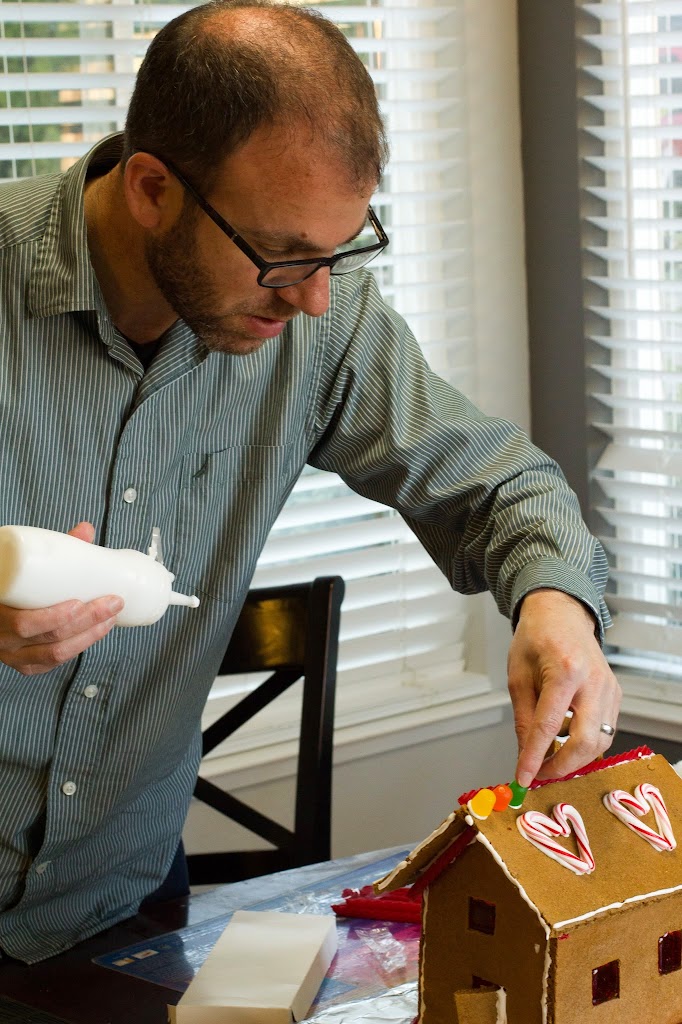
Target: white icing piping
pixel 524 896
pixel 545 982
pixel 501 1006
pixel 617 906
pixel 422 956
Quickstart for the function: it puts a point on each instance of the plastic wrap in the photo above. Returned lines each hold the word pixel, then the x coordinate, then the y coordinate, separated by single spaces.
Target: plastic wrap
pixel 398 1006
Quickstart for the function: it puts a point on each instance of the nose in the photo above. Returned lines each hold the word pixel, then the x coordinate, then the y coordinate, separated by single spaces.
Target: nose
pixel 310 296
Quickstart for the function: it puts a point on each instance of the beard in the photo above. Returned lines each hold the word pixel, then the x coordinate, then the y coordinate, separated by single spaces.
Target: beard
pixel 175 265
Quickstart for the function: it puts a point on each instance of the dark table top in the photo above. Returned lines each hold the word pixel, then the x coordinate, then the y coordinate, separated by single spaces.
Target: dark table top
pixel 71 989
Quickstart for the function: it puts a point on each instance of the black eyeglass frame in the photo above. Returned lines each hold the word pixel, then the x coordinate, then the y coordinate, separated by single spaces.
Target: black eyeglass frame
pixel 264 267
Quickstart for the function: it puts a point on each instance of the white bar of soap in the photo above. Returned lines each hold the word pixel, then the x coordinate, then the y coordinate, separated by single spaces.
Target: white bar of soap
pixel 266 968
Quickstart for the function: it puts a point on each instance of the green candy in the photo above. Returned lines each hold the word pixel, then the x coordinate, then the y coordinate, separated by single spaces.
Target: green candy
pixel 518 795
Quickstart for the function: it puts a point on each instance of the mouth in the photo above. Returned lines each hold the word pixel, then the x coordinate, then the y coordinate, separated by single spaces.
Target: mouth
pixel 265 326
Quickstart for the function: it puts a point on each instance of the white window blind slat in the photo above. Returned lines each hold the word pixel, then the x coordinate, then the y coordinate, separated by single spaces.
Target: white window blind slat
pixel 55 115
pixel 426 612
pixel 666 526
pixel 614 11
pixel 634 377
pixel 160 13
pixel 633 316
pixel 668 591
pixel 620 133
pixel 656 438
pixel 621 492
pixel 639 73
pixel 639 405
pixel 623 164
pixel 632 458
pixel 648 637
pixel 392 560
pixel 615 104
pixel 612 42
pixel 633 606
pixel 620 255
pixel 622 344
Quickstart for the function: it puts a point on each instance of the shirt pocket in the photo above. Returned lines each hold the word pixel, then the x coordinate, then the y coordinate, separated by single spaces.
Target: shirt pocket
pixel 227 504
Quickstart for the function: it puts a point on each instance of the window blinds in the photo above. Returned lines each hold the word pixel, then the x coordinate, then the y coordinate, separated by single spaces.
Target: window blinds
pixel 630 67
pixel 69 69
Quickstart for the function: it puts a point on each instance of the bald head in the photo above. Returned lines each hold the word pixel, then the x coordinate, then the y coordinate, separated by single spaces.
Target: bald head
pixel 224 69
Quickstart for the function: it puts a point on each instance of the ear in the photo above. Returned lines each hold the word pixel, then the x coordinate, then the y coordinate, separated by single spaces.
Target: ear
pixel 153 194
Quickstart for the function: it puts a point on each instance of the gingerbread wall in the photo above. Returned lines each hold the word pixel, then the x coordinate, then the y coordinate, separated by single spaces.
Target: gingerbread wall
pixel 629 935
pixel 513 957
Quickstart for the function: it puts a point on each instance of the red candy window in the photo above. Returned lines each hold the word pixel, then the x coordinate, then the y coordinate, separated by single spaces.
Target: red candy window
pixel 481 916
pixel 669 952
pixel 606 982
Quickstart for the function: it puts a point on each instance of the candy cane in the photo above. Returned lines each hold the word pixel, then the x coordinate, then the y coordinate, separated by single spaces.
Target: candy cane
pixel 646 798
pixel 538 829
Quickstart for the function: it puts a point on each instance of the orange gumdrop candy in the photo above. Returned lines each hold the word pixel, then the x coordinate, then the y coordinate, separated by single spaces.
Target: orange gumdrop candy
pixel 503 795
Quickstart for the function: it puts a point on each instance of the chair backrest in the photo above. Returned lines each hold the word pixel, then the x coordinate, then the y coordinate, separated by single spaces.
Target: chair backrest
pixel 292 631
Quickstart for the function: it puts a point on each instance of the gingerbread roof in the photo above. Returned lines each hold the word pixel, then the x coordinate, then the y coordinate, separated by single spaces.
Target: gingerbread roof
pixel 627 869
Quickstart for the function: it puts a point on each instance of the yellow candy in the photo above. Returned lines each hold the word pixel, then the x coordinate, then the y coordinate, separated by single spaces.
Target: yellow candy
pixel 482 804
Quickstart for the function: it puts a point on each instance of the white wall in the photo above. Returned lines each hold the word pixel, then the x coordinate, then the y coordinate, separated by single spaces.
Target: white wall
pixel 382 800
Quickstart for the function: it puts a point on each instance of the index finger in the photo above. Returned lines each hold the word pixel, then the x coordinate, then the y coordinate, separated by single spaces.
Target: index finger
pixel 550 712
pixel 56 622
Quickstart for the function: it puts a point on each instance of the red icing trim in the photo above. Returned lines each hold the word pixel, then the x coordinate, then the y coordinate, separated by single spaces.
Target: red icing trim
pixel 447 856
pixel 595 766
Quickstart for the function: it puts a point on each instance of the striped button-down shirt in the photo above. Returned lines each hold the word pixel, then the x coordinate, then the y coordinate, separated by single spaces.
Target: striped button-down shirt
pixel 98 757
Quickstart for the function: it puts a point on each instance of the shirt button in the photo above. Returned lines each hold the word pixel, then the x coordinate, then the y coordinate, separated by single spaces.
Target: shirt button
pixel 69 788
pixel 91 691
pixel 129 495
pixel 42 868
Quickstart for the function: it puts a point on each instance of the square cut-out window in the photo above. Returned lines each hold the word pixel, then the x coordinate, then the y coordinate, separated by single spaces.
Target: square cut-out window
pixel 670 952
pixel 606 982
pixel 481 916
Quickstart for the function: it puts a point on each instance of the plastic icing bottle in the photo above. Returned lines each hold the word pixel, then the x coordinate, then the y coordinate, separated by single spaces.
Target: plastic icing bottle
pixel 39 568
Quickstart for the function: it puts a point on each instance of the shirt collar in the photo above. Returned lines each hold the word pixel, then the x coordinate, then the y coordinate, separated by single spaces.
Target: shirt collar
pixel 62 278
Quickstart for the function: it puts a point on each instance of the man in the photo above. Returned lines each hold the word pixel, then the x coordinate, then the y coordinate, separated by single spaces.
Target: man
pixel 177 345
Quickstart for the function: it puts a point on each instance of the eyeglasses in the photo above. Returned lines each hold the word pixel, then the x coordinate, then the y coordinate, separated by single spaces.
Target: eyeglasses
pixel 285 273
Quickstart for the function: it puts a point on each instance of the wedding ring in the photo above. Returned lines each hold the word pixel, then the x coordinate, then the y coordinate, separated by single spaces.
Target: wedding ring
pixel 608 729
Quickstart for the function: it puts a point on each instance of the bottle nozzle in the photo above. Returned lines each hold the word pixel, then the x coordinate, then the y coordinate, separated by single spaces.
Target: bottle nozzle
pixel 184 599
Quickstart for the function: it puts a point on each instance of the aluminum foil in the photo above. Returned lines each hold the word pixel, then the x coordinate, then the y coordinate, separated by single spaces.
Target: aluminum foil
pixel 397 1006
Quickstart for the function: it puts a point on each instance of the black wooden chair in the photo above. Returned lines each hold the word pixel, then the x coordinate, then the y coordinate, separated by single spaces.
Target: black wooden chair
pixel 292 631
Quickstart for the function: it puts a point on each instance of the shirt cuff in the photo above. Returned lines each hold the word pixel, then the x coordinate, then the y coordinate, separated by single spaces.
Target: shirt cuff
pixel 553 574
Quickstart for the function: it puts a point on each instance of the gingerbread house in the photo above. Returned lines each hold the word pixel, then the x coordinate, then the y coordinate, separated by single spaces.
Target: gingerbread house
pixel 565 911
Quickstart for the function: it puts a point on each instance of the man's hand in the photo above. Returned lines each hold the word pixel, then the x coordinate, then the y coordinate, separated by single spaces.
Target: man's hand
pixel 37 641
pixel 555 663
